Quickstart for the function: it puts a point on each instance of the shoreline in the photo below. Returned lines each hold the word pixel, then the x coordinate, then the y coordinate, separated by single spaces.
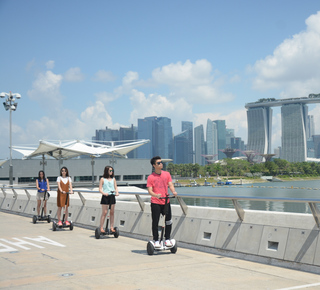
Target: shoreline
pixel 237 181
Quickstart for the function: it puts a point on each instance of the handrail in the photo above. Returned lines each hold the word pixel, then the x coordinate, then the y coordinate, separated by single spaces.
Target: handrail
pixel 235 200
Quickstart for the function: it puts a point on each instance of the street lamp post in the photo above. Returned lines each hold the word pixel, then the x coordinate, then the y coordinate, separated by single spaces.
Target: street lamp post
pixel 10 105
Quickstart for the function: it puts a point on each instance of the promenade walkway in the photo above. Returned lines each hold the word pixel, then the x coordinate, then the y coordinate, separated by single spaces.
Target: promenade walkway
pixel 35 257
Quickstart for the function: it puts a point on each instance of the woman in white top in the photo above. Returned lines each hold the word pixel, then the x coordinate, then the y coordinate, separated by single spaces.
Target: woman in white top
pixel 64 186
pixel 109 190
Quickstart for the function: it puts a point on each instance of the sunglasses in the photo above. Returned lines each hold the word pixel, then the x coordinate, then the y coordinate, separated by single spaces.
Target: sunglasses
pixel 160 162
pixel 110 170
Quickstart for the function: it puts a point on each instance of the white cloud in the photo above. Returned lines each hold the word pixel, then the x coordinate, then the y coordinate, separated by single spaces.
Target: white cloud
pixel 104 76
pixel 46 89
pixel 50 64
pixel 161 106
pixel 194 82
pixel 96 117
pixel 106 97
pixel 74 75
pixel 293 67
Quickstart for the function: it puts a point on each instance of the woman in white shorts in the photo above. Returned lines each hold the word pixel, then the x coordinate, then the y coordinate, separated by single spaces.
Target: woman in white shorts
pixel 42 186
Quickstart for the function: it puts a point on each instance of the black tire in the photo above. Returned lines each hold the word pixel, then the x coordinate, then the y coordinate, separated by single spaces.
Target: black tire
pixel 97 233
pixel 34 219
pixel 174 248
pixel 54 226
pixel 49 219
pixel 71 226
pixel 150 249
pixel 116 234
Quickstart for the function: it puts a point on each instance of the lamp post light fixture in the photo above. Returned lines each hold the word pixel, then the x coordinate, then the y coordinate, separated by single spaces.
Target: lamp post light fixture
pixel 10 106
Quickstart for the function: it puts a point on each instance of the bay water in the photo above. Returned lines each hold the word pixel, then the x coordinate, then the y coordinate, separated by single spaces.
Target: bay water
pixel 288 189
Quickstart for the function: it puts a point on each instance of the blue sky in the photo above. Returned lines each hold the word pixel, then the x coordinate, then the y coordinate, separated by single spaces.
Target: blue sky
pixel 84 65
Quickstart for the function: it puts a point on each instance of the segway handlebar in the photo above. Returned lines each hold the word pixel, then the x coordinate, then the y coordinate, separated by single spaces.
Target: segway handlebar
pixel 168 196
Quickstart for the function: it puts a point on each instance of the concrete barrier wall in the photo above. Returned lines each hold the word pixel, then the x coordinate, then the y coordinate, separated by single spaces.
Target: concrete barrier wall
pixel 287 239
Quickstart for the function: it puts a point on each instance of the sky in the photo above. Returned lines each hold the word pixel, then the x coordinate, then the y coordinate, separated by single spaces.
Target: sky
pixel 86 65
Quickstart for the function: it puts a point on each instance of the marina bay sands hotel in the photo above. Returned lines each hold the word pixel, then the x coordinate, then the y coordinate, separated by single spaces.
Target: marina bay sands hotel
pixel 294 116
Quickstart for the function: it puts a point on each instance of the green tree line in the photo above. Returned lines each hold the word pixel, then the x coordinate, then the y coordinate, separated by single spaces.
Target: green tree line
pixel 238 167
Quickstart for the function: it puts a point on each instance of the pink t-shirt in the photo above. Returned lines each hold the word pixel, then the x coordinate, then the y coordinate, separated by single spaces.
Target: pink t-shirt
pixel 159 184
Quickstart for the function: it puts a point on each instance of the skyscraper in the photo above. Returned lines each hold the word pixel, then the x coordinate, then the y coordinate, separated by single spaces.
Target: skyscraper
pixel 181 148
pixel 159 131
pixel 199 145
pixel 229 135
pixel 294 143
pixel 164 141
pixel 310 126
pixel 212 139
pixel 221 133
pixel 129 133
pixel 259 130
pixel 146 130
pixel 186 125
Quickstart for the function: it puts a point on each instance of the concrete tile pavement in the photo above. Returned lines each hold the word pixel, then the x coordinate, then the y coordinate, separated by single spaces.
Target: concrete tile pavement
pixel 34 257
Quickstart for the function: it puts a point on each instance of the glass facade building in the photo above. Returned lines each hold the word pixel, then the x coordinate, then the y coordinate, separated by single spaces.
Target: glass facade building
pixel 221 133
pixel 294 142
pixel 212 139
pixel 159 131
pixel 259 130
pixel 181 148
pixel 188 126
pixel 199 145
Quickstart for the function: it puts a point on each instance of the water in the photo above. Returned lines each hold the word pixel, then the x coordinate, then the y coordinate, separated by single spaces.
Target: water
pixel 288 189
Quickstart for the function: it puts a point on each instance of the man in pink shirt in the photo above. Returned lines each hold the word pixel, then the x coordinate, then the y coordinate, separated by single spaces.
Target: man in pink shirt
pixel 157 184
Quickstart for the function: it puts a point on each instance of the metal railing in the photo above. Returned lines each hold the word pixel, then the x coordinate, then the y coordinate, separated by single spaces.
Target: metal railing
pixel 184 207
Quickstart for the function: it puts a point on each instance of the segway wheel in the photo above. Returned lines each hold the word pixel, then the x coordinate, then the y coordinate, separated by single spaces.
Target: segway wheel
pixel 97 233
pixel 54 226
pixel 34 219
pixel 49 219
pixel 71 226
pixel 116 234
pixel 174 249
pixel 150 249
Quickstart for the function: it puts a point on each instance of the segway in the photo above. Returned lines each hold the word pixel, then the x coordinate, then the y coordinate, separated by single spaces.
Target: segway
pixel 151 244
pixel 42 217
pixel 108 231
pixel 55 224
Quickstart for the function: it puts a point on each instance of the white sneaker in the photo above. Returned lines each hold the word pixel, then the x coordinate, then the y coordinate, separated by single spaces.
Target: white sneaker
pixel 157 245
pixel 168 243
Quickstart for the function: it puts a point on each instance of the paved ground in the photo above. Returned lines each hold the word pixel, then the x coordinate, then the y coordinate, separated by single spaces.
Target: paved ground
pixel 34 257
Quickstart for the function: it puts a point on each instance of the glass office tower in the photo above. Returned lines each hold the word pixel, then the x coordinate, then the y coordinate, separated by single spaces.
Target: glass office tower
pixel 212 139
pixel 259 130
pixel 186 125
pixel 294 142
pixel 181 148
pixel 221 133
pixel 199 145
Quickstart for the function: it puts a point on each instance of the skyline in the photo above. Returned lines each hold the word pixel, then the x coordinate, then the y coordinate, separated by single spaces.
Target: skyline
pixel 81 67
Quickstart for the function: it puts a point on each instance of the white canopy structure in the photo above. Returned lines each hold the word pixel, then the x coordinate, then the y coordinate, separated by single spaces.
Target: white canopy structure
pixel 71 149
pixel 3 162
pixel 67 150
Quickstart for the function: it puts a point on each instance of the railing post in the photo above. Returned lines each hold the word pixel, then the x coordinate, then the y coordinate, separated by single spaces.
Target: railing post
pixel 83 200
pixel 28 194
pixel 183 205
pixel 238 208
pixel 140 201
pixel 14 193
pixel 3 191
pixel 315 212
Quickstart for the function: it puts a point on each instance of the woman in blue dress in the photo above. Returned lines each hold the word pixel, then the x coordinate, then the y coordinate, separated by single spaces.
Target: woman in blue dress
pixel 42 185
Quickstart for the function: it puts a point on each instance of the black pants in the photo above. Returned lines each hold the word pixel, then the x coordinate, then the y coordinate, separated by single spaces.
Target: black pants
pixel 156 210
